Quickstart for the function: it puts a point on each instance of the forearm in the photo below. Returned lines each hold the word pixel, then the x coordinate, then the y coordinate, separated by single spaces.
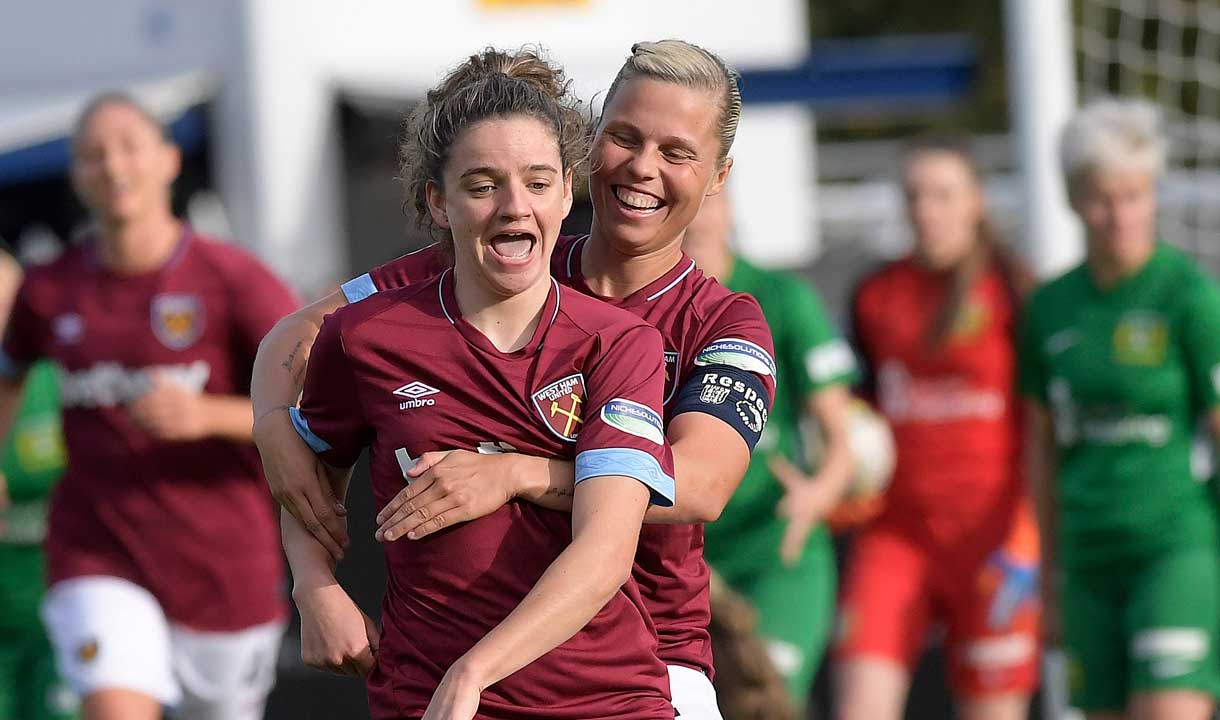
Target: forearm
pixel 546 482
pixel 279 366
pixel 228 417
pixel 312 565
pixel 574 588
pixel 831 408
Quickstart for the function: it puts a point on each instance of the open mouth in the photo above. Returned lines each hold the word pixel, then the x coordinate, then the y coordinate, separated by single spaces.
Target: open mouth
pixel 637 202
pixel 513 246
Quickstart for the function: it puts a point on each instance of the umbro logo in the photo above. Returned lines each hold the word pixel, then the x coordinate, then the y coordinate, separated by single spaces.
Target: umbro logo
pixel 417 395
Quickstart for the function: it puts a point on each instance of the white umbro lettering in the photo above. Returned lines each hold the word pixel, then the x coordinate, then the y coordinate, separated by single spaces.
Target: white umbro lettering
pixel 417 395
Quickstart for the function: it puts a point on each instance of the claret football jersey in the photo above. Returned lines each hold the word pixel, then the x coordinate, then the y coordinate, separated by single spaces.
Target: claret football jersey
pixel 402 373
pixel 192 522
pixel 702 324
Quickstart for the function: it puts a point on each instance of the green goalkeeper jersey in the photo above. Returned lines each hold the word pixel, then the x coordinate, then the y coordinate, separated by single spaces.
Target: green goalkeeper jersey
pixel 1126 373
pixel 32 460
pixel 810 354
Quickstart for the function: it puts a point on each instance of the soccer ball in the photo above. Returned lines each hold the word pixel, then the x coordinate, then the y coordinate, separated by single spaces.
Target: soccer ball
pixel 872 447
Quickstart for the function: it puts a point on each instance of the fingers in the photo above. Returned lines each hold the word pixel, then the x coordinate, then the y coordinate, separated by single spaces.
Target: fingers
pixel 373 633
pixel 424 521
pixel 411 496
pixel 426 462
pixel 793 544
pixel 364 662
pixel 785 472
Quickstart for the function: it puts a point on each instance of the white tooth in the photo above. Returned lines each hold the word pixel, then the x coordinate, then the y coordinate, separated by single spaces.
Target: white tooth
pixel 638 201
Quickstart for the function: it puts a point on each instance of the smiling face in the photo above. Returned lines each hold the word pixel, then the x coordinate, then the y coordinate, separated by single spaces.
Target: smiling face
pixel 504 198
pixel 122 167
pixel 655 158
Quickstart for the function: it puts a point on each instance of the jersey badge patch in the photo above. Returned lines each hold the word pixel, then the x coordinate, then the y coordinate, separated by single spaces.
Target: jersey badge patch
pixel 177 320
pixel 68 328
pixel 559 404
pixel 671 374
pixel 634 419
pixel 1141 338
pixel 738 353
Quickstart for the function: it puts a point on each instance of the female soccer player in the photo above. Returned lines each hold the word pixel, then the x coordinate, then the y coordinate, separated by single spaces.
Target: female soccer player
pixel 660 148
pixel 163 559
pixel 1120 359
pixel 936 333
pixel 770 544
pixel 526 612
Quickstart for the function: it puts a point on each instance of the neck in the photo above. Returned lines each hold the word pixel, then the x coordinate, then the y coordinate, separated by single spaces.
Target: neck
pixel 719 266
pixel 508 322
pixel 139 246
pixel 614 274
pixel 1107 270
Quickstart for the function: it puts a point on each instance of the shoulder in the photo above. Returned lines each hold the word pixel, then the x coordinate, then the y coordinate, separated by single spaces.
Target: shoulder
pixel 414 301
pixel 44 283
pixel 563 256
pixel 235 266
pixel 1056 290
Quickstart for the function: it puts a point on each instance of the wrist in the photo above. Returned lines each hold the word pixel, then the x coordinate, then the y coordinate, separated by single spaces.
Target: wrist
pixel 470 671
pixel 306 583
pixel 524 483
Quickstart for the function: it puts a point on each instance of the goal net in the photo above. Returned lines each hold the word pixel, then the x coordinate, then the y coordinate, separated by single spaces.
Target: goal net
pixel 1169 52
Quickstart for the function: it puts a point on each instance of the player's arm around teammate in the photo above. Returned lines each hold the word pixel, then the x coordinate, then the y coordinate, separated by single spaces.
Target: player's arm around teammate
pixel 507 147
pixel 1120 361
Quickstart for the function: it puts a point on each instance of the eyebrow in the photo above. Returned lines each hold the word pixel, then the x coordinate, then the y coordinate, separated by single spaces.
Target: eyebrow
pixel 670 140
pixel 488 170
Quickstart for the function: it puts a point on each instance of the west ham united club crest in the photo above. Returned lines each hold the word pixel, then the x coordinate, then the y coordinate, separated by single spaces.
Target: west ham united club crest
pixel 177 320
pixel 560 405
pixel 671 374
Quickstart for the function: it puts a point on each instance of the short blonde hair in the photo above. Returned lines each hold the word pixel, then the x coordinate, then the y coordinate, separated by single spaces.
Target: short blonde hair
pixel 688 65
pixel 1112 134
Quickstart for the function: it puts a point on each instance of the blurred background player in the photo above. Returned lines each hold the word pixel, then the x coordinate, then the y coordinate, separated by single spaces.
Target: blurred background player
pixel 525 612
pixel 1120 359
pixel 660 148
pixel 935 331
pixel 163 556
pixel 770 543
pixel 33 459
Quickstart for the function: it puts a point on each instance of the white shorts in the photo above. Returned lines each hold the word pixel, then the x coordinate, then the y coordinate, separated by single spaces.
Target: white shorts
pixel 694 697
pixel 111 633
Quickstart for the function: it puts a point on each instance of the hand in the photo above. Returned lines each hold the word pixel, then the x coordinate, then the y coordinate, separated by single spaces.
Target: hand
pixel 456 698
pixel 336 636
pixel 446 488
pixel 299 483
pixel 168 411
pixel 807 501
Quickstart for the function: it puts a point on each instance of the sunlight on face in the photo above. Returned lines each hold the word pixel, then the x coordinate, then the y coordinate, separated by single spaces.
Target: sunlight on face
pixel 505 196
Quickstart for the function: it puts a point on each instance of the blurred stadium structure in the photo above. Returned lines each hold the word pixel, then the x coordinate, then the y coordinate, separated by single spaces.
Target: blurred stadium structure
pixel 289 113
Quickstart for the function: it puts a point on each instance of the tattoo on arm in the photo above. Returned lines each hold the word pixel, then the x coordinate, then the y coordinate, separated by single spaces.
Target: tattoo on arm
pixel 292 357
pixel 560 491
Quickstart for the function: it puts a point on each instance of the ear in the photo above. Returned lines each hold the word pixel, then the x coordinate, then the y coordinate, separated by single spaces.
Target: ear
pixel 720 177
pixel 567 192
pixel 173 161
pixel 435 197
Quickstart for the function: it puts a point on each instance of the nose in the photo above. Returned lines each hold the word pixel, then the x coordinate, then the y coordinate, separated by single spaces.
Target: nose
pixel 643 165
pixel 515 202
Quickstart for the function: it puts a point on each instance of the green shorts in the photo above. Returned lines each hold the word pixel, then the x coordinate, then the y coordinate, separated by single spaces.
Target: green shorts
pixel 1150 625
pixel 795 604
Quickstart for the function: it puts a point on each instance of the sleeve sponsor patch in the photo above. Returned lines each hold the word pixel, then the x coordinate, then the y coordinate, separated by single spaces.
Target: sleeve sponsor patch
pixel 634 419
pixel 829 361
pixel 358 288
pixel 738 353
